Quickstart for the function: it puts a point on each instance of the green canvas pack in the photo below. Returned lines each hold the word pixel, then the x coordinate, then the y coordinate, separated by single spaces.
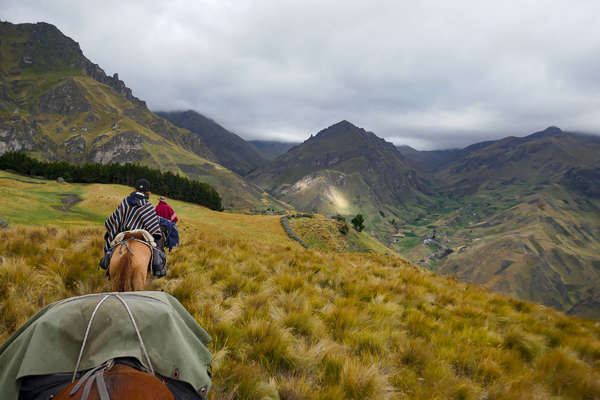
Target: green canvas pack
pixel 51 341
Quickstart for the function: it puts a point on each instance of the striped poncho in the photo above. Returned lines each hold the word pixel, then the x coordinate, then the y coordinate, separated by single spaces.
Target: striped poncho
pixel 134 212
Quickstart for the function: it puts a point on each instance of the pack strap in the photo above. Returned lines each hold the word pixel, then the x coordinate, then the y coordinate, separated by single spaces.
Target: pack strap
pixel 94 375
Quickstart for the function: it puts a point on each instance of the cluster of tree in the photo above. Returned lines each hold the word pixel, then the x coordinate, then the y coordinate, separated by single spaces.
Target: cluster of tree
pixel 357 223
pixel 163 183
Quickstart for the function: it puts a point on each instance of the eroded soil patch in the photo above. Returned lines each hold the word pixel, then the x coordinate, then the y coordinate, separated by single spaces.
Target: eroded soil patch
pixel 68 201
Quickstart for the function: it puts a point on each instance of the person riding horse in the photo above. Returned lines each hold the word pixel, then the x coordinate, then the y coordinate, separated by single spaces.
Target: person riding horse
pixel 134 212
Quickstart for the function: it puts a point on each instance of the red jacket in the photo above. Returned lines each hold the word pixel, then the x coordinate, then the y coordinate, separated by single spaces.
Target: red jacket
pixel 164 210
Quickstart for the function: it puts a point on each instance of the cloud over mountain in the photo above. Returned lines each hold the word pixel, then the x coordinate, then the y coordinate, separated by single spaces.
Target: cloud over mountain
pixel 430 74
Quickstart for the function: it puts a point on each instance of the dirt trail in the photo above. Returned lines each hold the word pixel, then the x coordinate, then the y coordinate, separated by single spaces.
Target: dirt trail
pixel 22 180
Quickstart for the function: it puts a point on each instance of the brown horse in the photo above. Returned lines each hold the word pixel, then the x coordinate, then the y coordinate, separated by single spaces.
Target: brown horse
pixel 123 383
pixel 129 264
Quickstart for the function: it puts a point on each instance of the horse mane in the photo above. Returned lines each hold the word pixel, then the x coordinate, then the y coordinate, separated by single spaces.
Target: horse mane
pixel 125 270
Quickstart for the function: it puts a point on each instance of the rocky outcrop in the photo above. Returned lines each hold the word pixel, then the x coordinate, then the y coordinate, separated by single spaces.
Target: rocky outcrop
pixel 75 145
pixel 67 99
pixel 5 100
pixel 19 134
pixel 49 49
pixel 122 148
pixel 94 71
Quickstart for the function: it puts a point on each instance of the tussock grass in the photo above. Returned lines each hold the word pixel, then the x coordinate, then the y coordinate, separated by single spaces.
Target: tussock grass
pixel 290 323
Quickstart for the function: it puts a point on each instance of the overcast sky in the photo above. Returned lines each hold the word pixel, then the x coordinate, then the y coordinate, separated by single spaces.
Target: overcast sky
pixel 431 74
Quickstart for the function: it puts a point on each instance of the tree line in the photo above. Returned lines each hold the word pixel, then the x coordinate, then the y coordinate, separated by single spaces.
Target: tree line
pixel 163 183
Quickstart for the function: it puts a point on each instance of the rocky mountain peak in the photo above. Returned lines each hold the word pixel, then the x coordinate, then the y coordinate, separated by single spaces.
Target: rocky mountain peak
pixel 42 46
pixel 551 131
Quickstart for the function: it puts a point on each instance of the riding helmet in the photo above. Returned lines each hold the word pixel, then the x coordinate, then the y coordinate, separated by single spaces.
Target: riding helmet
pixel 142 185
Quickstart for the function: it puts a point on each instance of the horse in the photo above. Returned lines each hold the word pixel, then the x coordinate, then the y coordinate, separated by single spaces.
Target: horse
pixel 130 263
pixel 121 382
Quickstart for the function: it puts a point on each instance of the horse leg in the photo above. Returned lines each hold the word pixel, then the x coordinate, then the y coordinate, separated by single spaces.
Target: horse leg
pixel 140 265
pixel 115 270
pixel 121 269
pixel 139 278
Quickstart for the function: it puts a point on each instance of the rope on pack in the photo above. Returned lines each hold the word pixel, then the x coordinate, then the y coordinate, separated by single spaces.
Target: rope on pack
pixel 87 332
pixel 137 331
pixel 97 374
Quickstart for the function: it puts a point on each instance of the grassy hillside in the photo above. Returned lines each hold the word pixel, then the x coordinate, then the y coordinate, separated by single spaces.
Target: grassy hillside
pixel 322 233
pixel 290 323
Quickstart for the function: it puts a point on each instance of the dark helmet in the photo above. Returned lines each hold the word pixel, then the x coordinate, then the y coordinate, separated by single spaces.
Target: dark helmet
pixel 142 185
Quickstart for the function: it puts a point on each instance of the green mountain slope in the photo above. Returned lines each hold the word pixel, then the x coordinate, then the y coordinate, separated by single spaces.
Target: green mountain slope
pixel 520 216
pixel 347 170
pixel 56 104
pixel 229 149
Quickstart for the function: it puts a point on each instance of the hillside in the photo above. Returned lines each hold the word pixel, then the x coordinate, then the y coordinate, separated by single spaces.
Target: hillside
pixel 428 161
pixel 229 149
pixel 544 156
pixel 291 323
pixel 271 149
pixel 330 234
pixel 519 215
pixel 346 170
pixel 57 105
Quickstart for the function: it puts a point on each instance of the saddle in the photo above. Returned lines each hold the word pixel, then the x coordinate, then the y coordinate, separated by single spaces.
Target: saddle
pixel 139 234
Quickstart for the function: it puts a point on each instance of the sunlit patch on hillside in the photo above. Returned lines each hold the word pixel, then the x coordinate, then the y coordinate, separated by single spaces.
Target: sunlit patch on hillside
pixel 306 183
pixel 340 203
pixel 322 187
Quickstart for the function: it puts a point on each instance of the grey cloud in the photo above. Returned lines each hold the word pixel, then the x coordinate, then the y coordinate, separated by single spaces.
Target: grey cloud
pixel 432 74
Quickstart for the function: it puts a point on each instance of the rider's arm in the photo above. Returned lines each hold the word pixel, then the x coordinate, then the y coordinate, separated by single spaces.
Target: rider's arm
pixel 112 225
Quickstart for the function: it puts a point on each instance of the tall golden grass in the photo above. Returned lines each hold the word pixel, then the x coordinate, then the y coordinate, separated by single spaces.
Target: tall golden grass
pixel 290 323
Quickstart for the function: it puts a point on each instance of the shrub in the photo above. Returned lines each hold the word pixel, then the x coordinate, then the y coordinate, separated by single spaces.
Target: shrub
pixel 358 222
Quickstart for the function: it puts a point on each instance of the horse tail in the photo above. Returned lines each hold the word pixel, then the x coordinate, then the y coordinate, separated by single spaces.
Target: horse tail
pixel 126 268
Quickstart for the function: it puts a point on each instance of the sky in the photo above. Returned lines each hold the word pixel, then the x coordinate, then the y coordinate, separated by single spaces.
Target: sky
pixel 429 74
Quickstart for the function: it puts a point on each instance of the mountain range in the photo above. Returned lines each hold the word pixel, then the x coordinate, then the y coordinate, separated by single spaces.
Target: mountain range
pixel 520 215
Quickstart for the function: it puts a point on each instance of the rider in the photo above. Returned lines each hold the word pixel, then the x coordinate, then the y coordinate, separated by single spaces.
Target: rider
pixel 134 212
pixel 165 210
